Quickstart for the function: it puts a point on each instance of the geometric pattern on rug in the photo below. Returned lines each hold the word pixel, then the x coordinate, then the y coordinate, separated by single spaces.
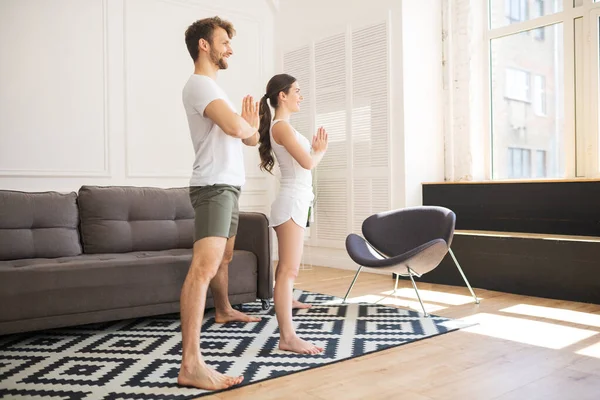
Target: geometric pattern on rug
pixel 140 358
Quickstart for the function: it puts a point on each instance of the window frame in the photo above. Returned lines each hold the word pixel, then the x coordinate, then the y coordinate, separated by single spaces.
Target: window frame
pixel 580 161
pixel 592 102
pixel 538 6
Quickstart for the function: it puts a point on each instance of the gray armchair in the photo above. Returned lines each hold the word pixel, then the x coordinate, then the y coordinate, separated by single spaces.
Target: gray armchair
pixel 408 242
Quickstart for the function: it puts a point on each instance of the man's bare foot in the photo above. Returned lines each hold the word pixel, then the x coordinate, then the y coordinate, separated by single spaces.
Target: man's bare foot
pixel 222 317
pixel 298 304
pixel 204 377
pixel 297 345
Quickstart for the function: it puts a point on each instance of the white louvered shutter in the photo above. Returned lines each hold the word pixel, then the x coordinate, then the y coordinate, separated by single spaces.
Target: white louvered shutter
pixel 370 123
pixel 345 82
pixel 331 189
pixel 298 64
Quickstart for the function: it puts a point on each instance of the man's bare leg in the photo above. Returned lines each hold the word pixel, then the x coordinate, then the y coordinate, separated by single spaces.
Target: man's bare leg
pixel 219 287
pixel 207 255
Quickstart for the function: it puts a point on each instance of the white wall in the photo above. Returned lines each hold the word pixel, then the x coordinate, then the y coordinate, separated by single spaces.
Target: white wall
pixel 90 90
pixel 416 84
pixel 423 96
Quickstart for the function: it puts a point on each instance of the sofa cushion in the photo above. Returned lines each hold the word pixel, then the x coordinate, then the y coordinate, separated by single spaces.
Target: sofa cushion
pixel 49 287
pixel 120 219
pixel 38 224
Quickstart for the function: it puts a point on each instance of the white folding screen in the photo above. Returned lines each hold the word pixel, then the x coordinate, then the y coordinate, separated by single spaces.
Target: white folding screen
pixel 297 64
pixel 345 82
pixel 370 123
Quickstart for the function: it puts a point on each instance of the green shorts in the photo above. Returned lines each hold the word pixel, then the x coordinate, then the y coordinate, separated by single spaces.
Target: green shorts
pixel 216 210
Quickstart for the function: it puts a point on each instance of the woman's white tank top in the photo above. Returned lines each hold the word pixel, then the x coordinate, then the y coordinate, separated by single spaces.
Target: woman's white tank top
pixel 295 181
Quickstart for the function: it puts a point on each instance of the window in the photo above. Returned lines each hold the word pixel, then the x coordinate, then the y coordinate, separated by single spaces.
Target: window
pixel 539 95
pixel 544 88
pixel 517 10
pixel 540 164
pixel 519 163
pixel 517 85
pixel 527 82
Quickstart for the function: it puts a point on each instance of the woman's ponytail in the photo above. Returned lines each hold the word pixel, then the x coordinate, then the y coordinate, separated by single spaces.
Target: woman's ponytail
pixel 264 149
pixel 277 84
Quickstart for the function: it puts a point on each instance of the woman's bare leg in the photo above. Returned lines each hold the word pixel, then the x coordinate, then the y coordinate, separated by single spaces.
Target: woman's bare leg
pixel 291 242
pixel 299 304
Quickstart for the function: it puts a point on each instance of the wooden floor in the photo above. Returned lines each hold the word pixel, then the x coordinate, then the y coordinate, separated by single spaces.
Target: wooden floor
pixel 524 348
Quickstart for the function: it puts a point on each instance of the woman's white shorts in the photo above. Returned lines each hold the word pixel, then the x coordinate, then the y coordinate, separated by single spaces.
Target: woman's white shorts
pixel 285 207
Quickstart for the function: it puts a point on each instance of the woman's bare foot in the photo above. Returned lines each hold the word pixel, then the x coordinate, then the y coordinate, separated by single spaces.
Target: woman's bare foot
pixel 232 315
pixel 204 377
pixel 297 345
pixel 298 304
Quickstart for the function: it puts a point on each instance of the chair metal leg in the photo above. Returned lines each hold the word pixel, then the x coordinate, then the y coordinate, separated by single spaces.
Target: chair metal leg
pixel 396 285
pixel 410 273
pixel 463 275
pixel 352 284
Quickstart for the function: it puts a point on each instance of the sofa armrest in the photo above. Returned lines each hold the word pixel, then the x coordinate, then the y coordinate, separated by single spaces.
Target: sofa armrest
pixel 254 235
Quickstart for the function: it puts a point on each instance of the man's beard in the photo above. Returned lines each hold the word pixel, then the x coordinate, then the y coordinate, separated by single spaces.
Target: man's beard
pixel 219 61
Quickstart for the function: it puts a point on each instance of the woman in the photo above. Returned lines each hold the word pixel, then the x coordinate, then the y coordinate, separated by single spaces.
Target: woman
pixel 289 212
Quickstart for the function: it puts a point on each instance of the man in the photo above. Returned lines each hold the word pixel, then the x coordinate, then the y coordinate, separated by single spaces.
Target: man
pixel 217 133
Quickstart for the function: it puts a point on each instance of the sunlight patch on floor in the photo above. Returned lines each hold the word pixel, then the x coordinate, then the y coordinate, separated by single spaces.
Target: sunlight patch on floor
pixel 434 296
pixel 558 314
pixel 413 305
pixel 525 331
pixel 591 351
pixel 390 301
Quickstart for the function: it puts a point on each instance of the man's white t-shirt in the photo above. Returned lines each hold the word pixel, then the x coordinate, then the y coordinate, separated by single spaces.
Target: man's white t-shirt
pixel 219 157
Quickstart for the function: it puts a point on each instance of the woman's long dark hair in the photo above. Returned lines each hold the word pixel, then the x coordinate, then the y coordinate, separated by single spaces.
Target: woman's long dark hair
pixel 278 83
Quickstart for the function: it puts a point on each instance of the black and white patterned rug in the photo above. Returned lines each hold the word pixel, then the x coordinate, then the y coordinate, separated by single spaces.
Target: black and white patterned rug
pixel 139 358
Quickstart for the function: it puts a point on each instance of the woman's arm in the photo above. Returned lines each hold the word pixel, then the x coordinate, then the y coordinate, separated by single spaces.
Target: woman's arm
pixel 284 135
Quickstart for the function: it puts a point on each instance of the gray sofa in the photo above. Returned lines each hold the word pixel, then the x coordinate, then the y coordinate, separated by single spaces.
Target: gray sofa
pixel 110 253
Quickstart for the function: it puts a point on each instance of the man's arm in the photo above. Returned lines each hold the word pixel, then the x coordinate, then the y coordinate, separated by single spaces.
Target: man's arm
pixel 250 113
pixel 252 140
pixel 231 123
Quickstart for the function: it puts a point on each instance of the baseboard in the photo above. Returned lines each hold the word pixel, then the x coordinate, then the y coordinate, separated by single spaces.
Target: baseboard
pixel 331 258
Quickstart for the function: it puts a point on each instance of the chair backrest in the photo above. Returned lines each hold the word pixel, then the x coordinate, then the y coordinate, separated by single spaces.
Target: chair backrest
pixel 398 231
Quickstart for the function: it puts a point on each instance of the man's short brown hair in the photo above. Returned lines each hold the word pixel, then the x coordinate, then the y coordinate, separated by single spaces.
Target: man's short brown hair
pixel 204 29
